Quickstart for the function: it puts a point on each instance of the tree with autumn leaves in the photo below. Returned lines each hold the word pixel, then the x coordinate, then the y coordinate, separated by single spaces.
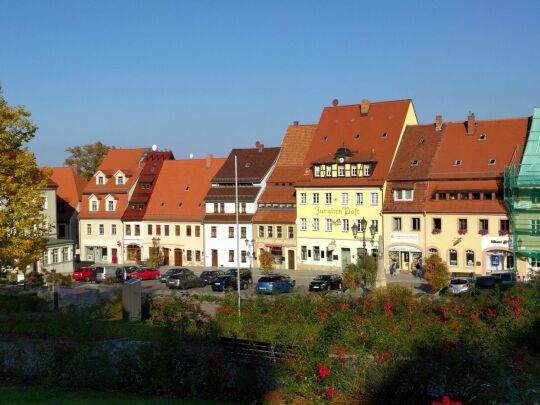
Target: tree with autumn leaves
pixel 23 226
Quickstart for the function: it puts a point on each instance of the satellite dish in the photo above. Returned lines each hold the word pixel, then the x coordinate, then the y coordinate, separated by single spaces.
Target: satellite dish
pixel 154 148
pixel 191 155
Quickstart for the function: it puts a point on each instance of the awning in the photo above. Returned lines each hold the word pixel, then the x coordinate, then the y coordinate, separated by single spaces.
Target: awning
pixel 403 248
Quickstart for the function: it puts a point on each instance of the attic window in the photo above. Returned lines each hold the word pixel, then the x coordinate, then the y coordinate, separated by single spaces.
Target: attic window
pixel 414 162
pixel 180 205
pixel 384 135
pixel 492 162
pixel 482 137
pixel 325 138
pixel 199 205
pixel 187 188
pixel 162 204
pixel 248 164
pixel 100 180
pixel 357 136
pixel 421 141
pixel 457 163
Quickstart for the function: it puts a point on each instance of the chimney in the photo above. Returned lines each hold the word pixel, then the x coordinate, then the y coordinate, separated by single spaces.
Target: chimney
pixel 471 124
pixel 438 122
pixel 209 159
pixel 261 147
pixel 295 123
pixel 335 102
pixel 364 106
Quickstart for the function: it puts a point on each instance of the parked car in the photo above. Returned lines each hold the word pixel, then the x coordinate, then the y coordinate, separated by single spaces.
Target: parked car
pixel 171 272
pixel 103 273
pixel 228 282
pixel 210 275
pixel 504 277
pixel 326 282
pixel 485 283
pixel 184 281
pixel 83 274
pixel 145 273
pixel 458 286
pixel 275 283
pixel 245 274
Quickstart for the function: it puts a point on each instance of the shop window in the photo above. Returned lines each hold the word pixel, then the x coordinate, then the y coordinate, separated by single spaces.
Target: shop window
pixel 469 258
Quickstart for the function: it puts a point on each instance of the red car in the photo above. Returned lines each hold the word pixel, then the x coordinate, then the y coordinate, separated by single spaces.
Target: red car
pixel 83 274
pixel 145 273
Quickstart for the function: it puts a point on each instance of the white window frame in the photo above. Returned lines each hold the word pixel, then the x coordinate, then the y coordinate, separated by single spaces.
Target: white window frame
pixel 341 170
pixel 345 225
pixel 376 223
pixel 120 179
pixel 396 224
pixel 101 229
pixel 374 199
pixel 328 225
pixel 315 224
pixel 449 260
pixel 469 251
pixel 94 205
pixel 303 198
pixel 110 205
pixel 100 180
pixel 403 195
pixel 367 170
pixel 328 198
pixel 89 229
pixel 315 198
pixel 359 199
pixel 344 198
pixel 354 171
pixel 303 224
pixel 113 229
pixel 317 171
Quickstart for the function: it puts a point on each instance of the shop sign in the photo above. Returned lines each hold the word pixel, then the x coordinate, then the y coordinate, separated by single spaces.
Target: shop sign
pixel 345 211
pixel 404 237
pixel 495 242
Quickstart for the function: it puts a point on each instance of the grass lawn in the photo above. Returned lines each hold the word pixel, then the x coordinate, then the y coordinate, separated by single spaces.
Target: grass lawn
pixel 31 395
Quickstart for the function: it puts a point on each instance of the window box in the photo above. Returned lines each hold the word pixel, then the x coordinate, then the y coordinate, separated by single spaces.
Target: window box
pixel 503 232
pixel 462 231
pixel 436 231
pixel 483 232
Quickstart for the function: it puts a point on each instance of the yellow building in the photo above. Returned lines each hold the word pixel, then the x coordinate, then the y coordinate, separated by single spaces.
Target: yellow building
pixel 342 182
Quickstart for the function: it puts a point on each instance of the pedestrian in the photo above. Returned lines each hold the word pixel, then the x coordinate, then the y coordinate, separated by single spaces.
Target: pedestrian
pixel 419 268
pixel 118 274
pixel 393 269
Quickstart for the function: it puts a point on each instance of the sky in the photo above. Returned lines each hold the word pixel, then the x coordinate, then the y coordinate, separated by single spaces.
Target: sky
pixel 200 77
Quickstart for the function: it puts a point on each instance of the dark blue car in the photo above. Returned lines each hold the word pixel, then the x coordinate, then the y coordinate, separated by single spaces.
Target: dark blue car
pixel 275 283
pixel 227 282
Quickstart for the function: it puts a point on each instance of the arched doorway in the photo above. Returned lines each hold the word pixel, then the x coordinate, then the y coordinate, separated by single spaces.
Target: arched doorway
pixel 498 260
pixel 165 256
pixel 133 253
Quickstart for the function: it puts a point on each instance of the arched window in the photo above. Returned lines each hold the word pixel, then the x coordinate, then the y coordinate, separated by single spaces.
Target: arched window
pixel 433 251
pixel 452 257
pixel 469 258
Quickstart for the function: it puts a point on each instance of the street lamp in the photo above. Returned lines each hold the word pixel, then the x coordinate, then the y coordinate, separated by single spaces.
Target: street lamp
pixel 249 245
pixel 362 228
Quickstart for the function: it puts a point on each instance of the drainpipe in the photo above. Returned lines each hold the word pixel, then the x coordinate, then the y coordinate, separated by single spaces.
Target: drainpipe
pixel 425 237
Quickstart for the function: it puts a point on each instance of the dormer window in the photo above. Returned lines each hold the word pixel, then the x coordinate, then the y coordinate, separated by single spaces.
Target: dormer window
pixel 492 162
pixel 317 171
pixel 414 163
pixel 119 179
pixel 403 195
pixel 341 171
pixel 94 205
pixel 457 163
pixel 367 170
pixel 384 135
pixel 354 171
pixel 100 180
pixel 357 137
pixel 482 137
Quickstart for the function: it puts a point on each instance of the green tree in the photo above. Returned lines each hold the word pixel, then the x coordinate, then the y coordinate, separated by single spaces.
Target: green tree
pixel 266 260
pixel 362 273
pixel 23 226
pixel 436 272
pixel 87 158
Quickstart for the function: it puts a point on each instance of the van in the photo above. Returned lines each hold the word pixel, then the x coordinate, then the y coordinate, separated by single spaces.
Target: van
pixel 105 272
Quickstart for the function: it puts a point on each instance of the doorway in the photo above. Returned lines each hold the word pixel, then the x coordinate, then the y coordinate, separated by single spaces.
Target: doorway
pixel 345 257
pixel 214 258
pixel 165 256
pixel 290 259
pixel 114 255
pixel 177 257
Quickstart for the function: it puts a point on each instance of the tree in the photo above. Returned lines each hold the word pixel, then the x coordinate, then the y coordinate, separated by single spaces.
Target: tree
pixel 23 226
pixel 436 272
pixel 267 261
pixel 363 273
pixel 87 158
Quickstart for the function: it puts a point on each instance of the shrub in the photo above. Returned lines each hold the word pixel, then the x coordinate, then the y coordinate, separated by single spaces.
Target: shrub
pixel 363 273
pixel 267 261
pixel 436 272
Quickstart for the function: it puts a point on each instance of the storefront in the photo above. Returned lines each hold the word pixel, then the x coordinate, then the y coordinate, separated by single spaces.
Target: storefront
pixel 497 254
pixel 404 250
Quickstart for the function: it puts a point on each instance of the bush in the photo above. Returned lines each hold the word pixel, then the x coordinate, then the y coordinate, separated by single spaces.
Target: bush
pixel 435 272
pixel 266 261
pixel 363 273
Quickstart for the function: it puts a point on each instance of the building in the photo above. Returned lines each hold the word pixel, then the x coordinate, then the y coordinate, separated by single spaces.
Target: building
pixel 173 221
pixel 134 231
pixel 343 179
pixel 522 198
pixel 253 168
pixel 444 195
pixel 274 223
pixel 103 203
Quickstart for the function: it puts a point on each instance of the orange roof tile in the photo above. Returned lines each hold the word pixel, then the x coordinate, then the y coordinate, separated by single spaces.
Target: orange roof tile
pixel 376 132
pixel 275 216
pixel 223 194
pixel 227 218
pixel 278 195
pixel 69 191
pixel 253 165
pixel 181 188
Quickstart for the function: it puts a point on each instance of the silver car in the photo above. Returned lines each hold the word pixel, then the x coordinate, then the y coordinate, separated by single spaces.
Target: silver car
pixel 458 286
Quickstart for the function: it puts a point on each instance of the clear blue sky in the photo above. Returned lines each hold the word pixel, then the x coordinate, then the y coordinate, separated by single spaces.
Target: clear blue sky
pixel 206 76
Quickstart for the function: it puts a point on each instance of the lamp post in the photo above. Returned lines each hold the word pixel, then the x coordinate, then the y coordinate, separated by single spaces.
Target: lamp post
pixel 249 245
pixel 362 228
pixel 155 243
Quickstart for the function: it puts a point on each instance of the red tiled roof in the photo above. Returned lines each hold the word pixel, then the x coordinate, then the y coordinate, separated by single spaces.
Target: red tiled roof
pixel 339 126
pixel 457 206
pixel 180 190
pixel 245 194
pixel 416 205
pixel 275 216
pixel 69 190
pixel 253 165
pixel 227 218
pixel 85 213
pixel 278 195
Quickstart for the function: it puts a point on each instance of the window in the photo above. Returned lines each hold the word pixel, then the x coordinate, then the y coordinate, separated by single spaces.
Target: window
pixel 303 224
pixel 45 258
pixel 65 254
pixel 100 180
pixel 453 196
pixel 231 255
pixel 188 230
pixel 345 225
pixel 437 225
pixel 93 205
pixel 166 230
pixel 504 227
pixel 328 227
pixel 177 230
pixel 270 231
pixel 374 198
pixel 462 225
pixel 482 137
pixel 403 195
pixel 415 226
pixel 341 171
pixel 110 205
pixel 344 198
pixel 483 227
pixel 303 198
pixel 197 255
pixel 231 232
pixel 315 198
pixel 316 171
pixel 213 232
pixel 290 232
pixel 535 196
pixel 243 232
pixel 354 171
pixel 375 225
pixel 315 224
pixel 101 229
pixel 128 230
pixel 452 257
pixel 303 252
pixel 397 224
pixel 55 256
pixel 158 230
pixel 216 208
pixel 464 196
pixel 316 253
pixel 197 231
pixel 328 198
pixel 279 232
pixel 492 162
pixel 488 196
pixel 137 230
pixel 457 163
pixel 414 163
pixel 261 231
pixel 367 170
pixel 242 208
pixel 535 227
pixel 475 196
pixel 120 180
pixel 433 251
pixel 149 229
pixel 189 255
pixel 243 256
pixel 359 200
pixel 469 258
